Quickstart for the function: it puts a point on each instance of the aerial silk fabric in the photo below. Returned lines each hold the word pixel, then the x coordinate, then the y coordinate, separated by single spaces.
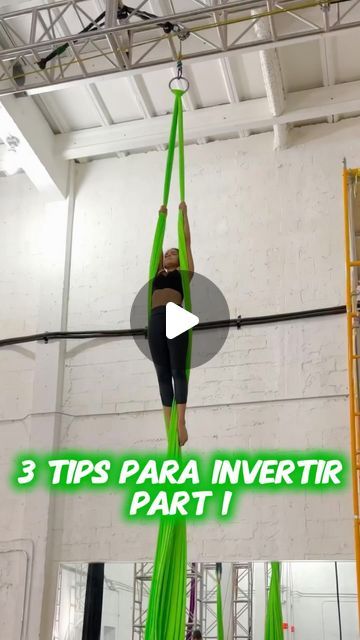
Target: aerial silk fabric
pixel 274 622
pixel 167 600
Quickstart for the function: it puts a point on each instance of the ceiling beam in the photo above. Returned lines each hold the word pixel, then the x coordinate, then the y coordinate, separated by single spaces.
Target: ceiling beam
pixel 272 76
pixel 99 104
pixel 21 118
pixel 231 89
pixel 143 101
pixel 101 109
pixel 144 134
pixel 327 58
pixel 188 102
pixel 327 67
pixel 301 106
pixel 225 64
pixel 52 113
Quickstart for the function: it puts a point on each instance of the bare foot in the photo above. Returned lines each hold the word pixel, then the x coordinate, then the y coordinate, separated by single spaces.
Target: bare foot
pixel 183 434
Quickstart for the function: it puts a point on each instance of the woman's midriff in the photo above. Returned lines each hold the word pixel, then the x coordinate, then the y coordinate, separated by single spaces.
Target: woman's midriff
pixel 163 296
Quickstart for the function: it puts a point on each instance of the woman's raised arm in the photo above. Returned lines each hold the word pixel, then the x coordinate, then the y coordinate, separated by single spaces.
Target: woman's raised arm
pixel 163 210
pixel 183 208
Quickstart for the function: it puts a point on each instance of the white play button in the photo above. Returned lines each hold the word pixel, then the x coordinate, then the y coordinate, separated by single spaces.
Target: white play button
pixel 208 304
pixel 178 320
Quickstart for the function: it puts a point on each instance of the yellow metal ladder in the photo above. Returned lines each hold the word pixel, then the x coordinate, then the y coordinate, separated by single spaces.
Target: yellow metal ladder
pixel 350 179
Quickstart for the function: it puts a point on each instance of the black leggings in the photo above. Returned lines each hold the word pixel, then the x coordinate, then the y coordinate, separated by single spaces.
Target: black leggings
pixel 169 357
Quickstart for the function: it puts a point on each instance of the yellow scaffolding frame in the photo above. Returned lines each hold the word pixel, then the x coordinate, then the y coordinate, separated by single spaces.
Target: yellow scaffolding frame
pixel 350 178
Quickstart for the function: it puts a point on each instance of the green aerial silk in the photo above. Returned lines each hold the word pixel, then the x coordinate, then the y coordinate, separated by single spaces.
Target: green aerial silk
pixel 274 622
pixel 167 601
pixel 219 607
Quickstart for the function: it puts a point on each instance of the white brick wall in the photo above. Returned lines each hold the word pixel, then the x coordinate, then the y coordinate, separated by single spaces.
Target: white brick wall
pixel 267 228
pixel 21 238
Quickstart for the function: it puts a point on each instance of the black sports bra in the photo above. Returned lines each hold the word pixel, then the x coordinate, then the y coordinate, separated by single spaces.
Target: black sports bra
pixel 170 280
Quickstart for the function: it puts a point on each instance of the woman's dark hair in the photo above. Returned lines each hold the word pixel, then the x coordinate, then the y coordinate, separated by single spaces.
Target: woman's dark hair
pixel 197 635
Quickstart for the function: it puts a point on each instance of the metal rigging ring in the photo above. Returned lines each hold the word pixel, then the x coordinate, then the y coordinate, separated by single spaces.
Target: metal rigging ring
pixel 179 76
pixel 179 79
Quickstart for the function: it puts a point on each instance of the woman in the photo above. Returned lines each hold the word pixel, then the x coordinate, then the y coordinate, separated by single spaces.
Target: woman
pixel 169 356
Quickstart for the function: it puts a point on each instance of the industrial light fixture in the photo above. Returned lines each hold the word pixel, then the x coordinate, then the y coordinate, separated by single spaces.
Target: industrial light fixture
pixel 12 162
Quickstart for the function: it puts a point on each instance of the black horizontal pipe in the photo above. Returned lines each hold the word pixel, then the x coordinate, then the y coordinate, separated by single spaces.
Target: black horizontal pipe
pixel 238 323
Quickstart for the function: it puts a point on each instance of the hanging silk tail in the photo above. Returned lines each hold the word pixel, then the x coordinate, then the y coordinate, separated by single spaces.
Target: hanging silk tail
pixel 274 622
pixel 167 601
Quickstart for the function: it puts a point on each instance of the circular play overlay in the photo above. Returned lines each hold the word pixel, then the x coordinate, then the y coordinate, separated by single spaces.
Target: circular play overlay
pixel 208 304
